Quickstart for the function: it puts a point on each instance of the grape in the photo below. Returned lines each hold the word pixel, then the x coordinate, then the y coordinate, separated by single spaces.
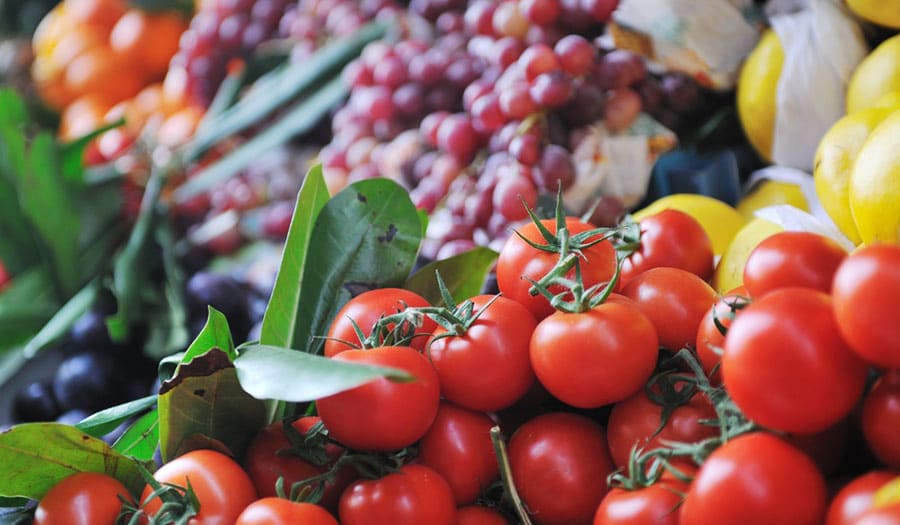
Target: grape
pixel 430 125
pixel 526 148
pixel 509 21
pixel 575 54
pixel 389 72
pixel 651 93
pixel 514 188
pixel 620 68
pixel 516 102
pixel 478 17
pixel 487 116
pixel 552 89
pixel 681 93
pixel 541 12
pixel 409 100
pixel 507 50
pixel 427 69
pixel 456 136
pixel 622 108
pixel 601 10
pixel 474 91
pixel 556 169
pixel 586 105
pixel 538 59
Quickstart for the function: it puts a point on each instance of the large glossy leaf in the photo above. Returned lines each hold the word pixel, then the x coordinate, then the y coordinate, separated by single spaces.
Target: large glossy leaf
pixel 366 237
pixel 268 372
pixel 463 274
pixel 35 456
pixel 281 317
pixel 141 439
pixel 204 406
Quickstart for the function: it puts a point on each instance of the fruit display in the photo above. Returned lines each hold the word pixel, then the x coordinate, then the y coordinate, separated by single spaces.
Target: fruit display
pixel 528 262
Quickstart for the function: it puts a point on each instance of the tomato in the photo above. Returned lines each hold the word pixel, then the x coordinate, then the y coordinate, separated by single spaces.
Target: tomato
pixel 383 415
pixel 365 309
pixel 413 496
pixel 85 498
pixel 883 516
pixel 477 515
pixel 866 292
pixel 792 258
pixel 634 420
pixel 488 367
pixel 223 489
pixel 559 464
pixel 671 238
pixel 881 419
pixel 519 262
pixel 855 498
pixel 594 358
pixel 674 300
pixel 786 346
pixel 756 479
pixel 653 505
pixel 278 511
pixel 827 448
pixel 458 447
pixel 710 340
pixel 269 457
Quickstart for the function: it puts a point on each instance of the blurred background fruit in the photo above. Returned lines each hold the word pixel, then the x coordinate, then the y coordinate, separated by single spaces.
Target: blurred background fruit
pixel 876 76
pixel 875 184
pixel 881 12
pixel 757 90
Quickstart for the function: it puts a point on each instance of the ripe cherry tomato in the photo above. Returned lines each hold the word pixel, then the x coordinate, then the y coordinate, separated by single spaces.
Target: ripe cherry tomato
pixel 594 358
pixel 365 309
pixel 383 415
pixel 269 457
pixel 85 498
pixel 756 479
pixel 653 505
pixel 710 340
pixel 671 238
pixel 792 258
pixel 278 511
pixel 458 447
pixel 855 498
pixel 519 262
pixel 477 515
pixel 881 419
pixel 634 420
pixel 786 346
pixel 223 489
pixel 559 463
pixel 413 496
pixel 866 295
pixel 674 300
pixel 488 367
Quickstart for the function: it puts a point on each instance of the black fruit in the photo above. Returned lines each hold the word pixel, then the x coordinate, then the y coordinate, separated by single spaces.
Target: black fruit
pixel 36 402
pixel 89 381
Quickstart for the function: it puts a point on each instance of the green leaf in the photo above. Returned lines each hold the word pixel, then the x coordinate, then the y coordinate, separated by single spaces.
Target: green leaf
pixel 18 249
pixel 107 420
pixel 140 439
pixel 62 321
pixel 297 120
pixel 269 372
pixel 36 456
pixel 13 111
pixel 204 406
pixel 25 306
pixel 280 320
pixel 464 275
pixel 168 326
pixel 72 153
pixel 215 335
pixel 365 237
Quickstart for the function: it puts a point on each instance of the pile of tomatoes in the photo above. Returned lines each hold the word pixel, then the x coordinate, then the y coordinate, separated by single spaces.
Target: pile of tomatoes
pixel 629 390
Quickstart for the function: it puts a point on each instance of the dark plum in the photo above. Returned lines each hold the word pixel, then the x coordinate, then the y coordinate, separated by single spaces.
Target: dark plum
pixel 90 381
pixel 35 402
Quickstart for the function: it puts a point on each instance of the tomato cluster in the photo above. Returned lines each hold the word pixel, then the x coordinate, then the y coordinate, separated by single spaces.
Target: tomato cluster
pixel 630 392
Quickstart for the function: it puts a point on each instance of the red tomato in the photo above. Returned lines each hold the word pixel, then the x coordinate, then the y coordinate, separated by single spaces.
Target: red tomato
pixel 826 448
pixel 458 447
pixel 653 505
pixel 277 511
pixel 881 419
pixel 855 498
pixel 671 238
pixel 756 479
pixel 792 258
pixel 883 516
pixel 413 496
pixel 383 415
pixel 85 498
pixel 223 489
pixel 476 515
pixel 559 464
pixel 488 367
pixel 866 295
pixel 710 340
pixel 269 457
pixel 365 309
pixel 518 262
pixel 634 420
pixel 675 301
pixel 594 358
pixel 786 346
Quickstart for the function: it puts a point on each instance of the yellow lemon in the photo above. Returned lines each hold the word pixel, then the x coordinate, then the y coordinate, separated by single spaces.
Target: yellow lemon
pixel 877 75
pixel 887 495
pixel 730 270
pixel 834 163
pixel 881 12
pixel 756 92
pixel 770 193
pixel 875 184
pixel 888 100
pixel 720 220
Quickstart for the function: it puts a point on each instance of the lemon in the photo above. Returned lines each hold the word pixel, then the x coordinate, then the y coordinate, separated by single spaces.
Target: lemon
pixel 877 75
pixel 720 221
pixel 888 100
pixel 881 12
pixel 875 184
pixel 730 270
pixel 756 92
pixel 834 163
pixel 770 193
pixel 887 495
